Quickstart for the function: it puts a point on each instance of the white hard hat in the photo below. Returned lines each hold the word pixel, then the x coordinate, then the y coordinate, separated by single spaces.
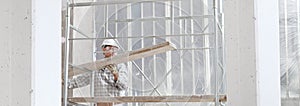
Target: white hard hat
pixel 112 42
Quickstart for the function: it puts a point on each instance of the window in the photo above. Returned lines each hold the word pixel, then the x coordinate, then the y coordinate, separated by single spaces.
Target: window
pixel 194 68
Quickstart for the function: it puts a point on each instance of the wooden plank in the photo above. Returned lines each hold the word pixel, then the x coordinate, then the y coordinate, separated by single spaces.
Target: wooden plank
pixel 121 58
pixel 126 99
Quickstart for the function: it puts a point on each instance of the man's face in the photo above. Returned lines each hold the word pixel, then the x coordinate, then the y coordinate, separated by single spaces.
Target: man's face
pixel 109 50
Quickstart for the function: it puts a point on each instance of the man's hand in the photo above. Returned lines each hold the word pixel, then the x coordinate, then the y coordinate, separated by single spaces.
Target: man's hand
pixel 114 70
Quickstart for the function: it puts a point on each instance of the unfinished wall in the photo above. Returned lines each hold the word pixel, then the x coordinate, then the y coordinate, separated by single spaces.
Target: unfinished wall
pixel 30 53
pixel 15 55
pixel 46 56
pixel 252 52
pixel 240 53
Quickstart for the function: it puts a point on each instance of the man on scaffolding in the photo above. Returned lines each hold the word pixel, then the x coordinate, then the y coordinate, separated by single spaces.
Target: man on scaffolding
pixel 109 81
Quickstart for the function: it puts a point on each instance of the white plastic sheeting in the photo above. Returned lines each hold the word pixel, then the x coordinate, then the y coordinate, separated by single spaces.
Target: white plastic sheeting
pixel 195 68
pixel 289 42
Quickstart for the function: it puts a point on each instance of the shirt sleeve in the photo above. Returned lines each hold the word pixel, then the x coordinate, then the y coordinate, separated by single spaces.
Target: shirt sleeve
pixel 79 81
pixel 121 83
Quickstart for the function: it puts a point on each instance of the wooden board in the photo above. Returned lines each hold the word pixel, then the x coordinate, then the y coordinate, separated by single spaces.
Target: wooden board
pixel 126 99
pixel 121 58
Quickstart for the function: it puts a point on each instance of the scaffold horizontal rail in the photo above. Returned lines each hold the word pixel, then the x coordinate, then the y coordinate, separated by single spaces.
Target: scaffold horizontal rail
pixel 160 18
pixel 146 36
pixel 110 2
pixel 121 58
pixel 127 99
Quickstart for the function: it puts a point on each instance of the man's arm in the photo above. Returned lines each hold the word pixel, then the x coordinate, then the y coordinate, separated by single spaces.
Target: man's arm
pixel 121 82
pixel 79 81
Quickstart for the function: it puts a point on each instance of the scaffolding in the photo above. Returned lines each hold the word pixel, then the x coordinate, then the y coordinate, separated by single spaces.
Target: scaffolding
pixel 192 74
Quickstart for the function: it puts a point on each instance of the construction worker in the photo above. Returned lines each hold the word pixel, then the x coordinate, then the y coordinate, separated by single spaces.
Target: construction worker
pixel 109 81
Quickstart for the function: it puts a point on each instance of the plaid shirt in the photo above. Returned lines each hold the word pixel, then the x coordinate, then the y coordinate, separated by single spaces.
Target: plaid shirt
pixel 104 84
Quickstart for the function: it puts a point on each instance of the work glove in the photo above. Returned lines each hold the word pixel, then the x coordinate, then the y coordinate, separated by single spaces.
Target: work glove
pixel 112 68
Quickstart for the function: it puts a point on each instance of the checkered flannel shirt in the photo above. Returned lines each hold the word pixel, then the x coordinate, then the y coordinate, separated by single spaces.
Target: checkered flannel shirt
pixel 104 84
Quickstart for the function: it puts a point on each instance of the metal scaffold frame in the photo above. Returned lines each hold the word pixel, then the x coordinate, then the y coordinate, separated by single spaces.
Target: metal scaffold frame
pixel 213 45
